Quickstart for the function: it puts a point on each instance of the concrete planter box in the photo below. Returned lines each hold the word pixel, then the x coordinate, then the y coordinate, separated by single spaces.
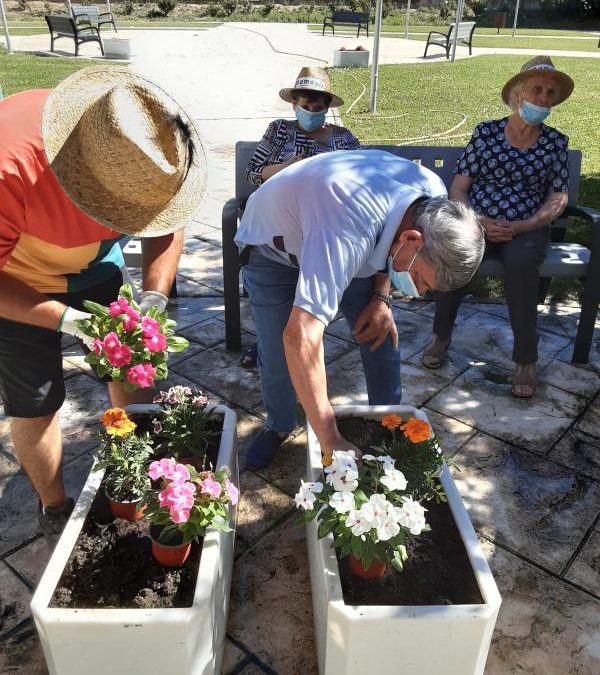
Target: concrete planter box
pixel 417 640
pixel 178 641
pixel 116 48
pixel 350 58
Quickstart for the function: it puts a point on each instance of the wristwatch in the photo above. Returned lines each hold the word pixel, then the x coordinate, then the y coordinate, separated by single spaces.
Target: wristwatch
pixel 383 297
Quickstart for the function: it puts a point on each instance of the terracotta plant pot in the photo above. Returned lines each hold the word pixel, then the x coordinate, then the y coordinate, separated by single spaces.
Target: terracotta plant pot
pixel 168 554
pixel 130 511
pixel 375 570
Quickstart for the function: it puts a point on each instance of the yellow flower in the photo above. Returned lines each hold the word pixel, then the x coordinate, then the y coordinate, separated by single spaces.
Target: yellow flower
pixel 416 430
pixel 391 421
pixel 117 423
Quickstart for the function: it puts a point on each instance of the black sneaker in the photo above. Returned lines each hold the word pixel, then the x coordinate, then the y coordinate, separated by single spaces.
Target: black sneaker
pixel 52 520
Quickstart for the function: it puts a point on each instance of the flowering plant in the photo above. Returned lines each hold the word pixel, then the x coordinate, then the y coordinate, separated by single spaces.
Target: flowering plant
pixel 184 425
pixel 373 507
pixel 127 346
pixel 124 454
pixel 187 501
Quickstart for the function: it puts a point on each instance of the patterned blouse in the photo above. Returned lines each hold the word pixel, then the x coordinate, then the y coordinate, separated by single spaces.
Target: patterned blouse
pixel 509 182
pixel 284 140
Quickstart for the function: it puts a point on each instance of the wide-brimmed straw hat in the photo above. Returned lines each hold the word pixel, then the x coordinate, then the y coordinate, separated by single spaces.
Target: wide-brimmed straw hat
pixel 124 151
pixel 540 65
pixel 313 80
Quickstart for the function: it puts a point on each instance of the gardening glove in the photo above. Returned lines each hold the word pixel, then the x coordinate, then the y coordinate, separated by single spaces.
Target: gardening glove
pixel 67 325
pixel 152 299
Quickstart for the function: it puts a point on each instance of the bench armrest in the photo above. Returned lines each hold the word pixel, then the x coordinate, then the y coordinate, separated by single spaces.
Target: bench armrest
pixel 436 32
pixel 584 212
pixel 108 14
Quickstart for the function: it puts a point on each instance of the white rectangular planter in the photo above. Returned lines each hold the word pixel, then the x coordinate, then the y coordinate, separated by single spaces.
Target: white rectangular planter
pixel 389 640
pixel 116 48
pixel 177 641
pixel 350 58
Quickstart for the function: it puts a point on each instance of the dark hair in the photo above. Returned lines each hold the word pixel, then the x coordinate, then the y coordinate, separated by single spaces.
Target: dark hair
pixel 312 96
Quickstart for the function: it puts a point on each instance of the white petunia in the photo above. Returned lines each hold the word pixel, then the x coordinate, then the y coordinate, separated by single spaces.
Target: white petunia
pixel 411 515
pixel 358 522
pixel 342 502
pixel 394 479
pixel 345 482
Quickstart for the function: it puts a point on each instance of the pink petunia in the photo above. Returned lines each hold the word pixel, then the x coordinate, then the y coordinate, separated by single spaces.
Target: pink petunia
pixel 232 492
pixel 150 326
pixel 120 356
pixel 156 343
pixel 142 375
pixel 209 486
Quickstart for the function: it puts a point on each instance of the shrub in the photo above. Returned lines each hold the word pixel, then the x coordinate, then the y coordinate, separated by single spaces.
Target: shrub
pixel 165 7
pixel 268 7
pixel 229 7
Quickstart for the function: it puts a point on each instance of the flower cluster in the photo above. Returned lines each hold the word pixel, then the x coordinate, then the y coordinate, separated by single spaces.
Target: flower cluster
pixel 127 346
pixel 188 501
pixel 117 423
pixel 185 426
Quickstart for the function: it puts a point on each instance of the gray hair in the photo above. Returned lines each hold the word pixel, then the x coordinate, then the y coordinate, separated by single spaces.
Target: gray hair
pixel 453 240
pixel 518 87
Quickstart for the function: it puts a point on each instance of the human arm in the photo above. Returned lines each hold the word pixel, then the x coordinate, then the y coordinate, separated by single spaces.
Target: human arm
pixel 303 344
pixel 376 320
pixel 160 257
pixel 261 165
pixel 554 204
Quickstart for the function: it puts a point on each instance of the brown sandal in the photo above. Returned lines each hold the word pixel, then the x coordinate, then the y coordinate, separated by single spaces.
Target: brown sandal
pixel 436 353
pixel 524 382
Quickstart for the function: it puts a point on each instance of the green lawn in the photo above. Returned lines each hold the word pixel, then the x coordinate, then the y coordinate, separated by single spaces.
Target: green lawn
pixel 37 26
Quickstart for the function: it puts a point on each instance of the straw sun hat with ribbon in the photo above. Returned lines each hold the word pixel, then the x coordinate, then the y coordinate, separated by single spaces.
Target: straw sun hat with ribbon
pixel 311 80
pixel 124 151
pixel 540 65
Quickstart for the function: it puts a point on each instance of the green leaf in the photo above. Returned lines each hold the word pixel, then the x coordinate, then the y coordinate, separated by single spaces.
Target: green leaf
pixel 126 291
pixel 95 308
pixel 177 344
pixel 325 527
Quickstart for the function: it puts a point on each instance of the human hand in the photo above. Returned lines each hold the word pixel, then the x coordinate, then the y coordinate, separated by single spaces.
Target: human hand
pixel 337 442
pixel 152 299
pixel 497 230
pixel 374 324
pixel 67 325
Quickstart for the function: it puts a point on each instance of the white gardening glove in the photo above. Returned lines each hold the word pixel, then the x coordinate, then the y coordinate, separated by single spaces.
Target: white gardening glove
pixel 67 325
pixel 152 299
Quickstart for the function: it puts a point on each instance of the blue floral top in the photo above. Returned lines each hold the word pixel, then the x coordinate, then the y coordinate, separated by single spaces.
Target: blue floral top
pixel 510 182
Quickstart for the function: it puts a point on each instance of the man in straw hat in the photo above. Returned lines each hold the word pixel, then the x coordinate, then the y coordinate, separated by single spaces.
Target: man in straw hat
pixel 105 154
pixel 334 232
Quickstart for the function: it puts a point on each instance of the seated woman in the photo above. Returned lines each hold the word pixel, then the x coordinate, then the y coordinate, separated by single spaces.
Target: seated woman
pixel 288 141
pixel 514 172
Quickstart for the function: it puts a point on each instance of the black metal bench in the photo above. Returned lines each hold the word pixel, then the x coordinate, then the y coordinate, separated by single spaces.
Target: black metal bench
pixel 563 259
pixel 358 19
pixel 78 30
pixel 93 15
pixel 445 40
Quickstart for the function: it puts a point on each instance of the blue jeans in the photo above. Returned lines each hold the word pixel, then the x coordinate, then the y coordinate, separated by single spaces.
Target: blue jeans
pixel 271 287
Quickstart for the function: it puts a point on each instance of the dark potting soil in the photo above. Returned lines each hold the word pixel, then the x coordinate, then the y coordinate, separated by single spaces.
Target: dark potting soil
pixel 437 572
pixel 111 564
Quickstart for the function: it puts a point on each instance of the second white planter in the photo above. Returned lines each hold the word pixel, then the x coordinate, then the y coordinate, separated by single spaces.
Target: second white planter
pixel 416 640
pixel 181 641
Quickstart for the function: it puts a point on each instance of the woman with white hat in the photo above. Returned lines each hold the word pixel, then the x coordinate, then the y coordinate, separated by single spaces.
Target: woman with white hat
pixel 514 172
pixel 288 141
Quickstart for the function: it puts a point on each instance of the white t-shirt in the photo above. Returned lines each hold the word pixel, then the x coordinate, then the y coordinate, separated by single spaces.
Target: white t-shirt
pixel 337 215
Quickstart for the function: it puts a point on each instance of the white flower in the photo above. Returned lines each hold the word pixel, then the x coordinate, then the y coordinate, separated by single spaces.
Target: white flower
pixel 378 506
pixel 305 498
pixel 342 502
pixel 342 461
pixel 346 482
pixel 394 479
pixel 316 488
pixel 371 458
pixel 387 527
pixel 411 515
pixel 386 460
pixel 358 522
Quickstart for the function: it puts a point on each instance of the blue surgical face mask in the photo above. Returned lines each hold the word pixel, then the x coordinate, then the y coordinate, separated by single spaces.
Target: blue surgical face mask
pixel 403 281
pixel 533 114
pixel 310 121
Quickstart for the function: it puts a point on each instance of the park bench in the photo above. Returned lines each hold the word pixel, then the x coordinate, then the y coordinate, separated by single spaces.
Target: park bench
pixel 359 19
pixel 445 40
pixel 563 259
pixel 93 15
pixel 80 31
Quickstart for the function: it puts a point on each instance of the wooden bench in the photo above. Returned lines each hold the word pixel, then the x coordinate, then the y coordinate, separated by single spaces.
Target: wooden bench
pixel 359 19
pixel 445 40
pixel 563 259
pixel 93 15
pixel 80 31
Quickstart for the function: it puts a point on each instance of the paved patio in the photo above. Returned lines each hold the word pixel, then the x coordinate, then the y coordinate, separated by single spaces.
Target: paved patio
pixel 529 470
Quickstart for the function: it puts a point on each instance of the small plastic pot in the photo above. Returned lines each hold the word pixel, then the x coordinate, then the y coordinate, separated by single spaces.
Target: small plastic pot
pixel 168 554
pixel 375 570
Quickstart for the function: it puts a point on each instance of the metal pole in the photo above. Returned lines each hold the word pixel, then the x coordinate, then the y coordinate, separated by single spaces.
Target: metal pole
pixel 460 5
pixel 515 19
pixel 407 20
pixel 9 48
pixel 69 8
pixel 375 61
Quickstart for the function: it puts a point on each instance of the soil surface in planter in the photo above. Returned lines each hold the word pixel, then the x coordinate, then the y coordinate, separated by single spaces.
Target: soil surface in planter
pixel 112 565
pixel 437 572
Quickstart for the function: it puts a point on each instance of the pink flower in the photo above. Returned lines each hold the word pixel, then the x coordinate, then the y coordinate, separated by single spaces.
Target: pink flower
pixel 156 343
pixel 199 401
pixel 180 474
pixel 97 346
pixel 111 342
pixel 156 425
pixel 163 468
pixel 142 375
pixel 232 492
pixel 120 356
pixel 179 499
pixel 209 486
pixel 119 307
pixel 179 515
pixel 131 322
pixel 159 398
pixel 150 326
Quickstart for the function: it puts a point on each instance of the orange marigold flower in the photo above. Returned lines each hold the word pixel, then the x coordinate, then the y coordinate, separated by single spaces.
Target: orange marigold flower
pixel 117 423
pixel 391 421
pixel 416 430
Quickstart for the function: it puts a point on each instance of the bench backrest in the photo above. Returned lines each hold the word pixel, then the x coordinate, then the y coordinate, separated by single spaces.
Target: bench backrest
pixel 350 17
pixel 440 159
pixel 91 11
pixel 59 23
pixel 464 30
